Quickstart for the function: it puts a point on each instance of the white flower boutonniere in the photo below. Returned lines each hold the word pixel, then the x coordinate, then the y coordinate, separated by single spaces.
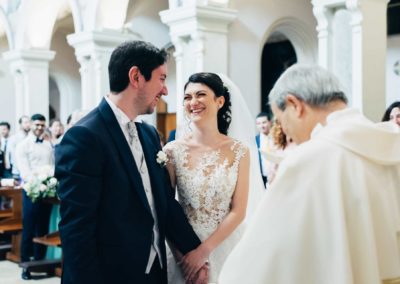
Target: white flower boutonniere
pixel 162 158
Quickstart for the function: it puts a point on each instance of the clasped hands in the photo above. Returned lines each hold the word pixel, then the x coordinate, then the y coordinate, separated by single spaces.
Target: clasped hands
pixel 195 267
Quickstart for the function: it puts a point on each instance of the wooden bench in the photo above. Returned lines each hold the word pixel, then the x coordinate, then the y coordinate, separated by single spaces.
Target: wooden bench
pixel 13 224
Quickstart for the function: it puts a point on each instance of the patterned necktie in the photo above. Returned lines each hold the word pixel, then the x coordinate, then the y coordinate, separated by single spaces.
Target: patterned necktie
pixel 132 132
pixel 135 142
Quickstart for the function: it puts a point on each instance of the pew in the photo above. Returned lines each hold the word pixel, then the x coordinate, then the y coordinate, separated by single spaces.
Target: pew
pixel 11 222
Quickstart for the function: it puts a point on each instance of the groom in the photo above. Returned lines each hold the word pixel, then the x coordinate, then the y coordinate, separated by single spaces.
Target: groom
pixel 117 205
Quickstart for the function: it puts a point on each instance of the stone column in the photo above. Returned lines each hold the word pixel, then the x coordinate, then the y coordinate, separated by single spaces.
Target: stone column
pixel 30 69
pixel 365 47
pixel 199 32
pixel 369 45
pixel 93 51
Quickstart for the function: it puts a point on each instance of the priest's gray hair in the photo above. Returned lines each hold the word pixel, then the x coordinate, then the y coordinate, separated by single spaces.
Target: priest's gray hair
pixel 312 84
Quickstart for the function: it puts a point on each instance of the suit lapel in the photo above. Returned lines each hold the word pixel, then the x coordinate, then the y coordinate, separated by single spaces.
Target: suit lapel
pixel 155 172
pixel 124 150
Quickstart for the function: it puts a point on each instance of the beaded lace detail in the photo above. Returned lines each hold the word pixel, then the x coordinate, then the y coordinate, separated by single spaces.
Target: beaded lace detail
pixel 205 188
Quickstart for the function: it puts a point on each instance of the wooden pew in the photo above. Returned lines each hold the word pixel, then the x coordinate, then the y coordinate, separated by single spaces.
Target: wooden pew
pixel 13 224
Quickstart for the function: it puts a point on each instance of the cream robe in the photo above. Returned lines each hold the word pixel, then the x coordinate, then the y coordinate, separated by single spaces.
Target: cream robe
pixel 331 216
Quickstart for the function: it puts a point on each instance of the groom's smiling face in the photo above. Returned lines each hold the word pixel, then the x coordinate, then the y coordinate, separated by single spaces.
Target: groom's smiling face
pixel 152 90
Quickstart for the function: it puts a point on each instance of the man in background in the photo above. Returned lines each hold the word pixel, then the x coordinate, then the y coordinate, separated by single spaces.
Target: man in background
pixel 24 123
pixel 32 154
pixel 263 124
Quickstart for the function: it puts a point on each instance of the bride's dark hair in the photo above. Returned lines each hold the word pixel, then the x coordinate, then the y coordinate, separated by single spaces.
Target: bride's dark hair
pixel 214 82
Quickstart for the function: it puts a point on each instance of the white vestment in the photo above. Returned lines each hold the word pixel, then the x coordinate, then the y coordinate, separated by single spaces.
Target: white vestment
pixel 331 215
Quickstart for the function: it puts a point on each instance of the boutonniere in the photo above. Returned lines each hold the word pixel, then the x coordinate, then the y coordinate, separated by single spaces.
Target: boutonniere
pixel 162 158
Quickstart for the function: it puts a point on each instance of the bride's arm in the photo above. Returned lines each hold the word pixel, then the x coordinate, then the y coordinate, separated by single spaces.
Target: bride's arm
pixel 192 261
pixel 170 167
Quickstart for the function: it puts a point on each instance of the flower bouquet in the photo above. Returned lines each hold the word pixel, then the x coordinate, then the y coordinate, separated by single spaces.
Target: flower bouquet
pixel 42 184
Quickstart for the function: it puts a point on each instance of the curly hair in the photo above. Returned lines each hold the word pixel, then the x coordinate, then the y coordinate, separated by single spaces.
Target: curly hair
pixel 278 136
pixel 214 82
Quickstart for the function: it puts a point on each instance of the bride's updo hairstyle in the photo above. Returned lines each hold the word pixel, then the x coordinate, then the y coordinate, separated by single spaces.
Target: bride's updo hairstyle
pixel 214 82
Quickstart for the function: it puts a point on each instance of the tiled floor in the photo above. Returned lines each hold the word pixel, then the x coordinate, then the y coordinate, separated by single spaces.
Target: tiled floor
pixel 10 273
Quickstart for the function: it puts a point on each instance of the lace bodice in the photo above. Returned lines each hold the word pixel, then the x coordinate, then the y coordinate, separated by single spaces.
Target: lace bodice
pixel 205 183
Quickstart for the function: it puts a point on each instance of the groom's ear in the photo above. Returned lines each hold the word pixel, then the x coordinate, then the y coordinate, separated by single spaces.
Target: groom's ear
pixel 133 75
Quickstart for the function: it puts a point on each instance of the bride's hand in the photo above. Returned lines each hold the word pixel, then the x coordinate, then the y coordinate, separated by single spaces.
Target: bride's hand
pixel 193 261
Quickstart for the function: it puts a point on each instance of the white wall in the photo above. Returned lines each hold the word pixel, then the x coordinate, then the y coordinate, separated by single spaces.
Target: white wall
pixel 7 99
pixel 392 80
pixel 247 39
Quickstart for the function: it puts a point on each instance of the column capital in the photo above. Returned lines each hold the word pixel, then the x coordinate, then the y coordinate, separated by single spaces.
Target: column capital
pixel 28 57
pixel 184 20
pixel 85 43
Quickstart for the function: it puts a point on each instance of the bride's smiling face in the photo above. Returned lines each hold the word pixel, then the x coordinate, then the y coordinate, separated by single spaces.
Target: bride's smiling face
pixel 200 102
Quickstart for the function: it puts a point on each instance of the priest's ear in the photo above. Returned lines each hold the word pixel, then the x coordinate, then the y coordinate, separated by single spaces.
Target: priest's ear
pixel 134 76
pixel 296 104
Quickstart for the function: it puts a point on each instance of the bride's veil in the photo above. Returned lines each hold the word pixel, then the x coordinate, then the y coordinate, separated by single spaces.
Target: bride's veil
pixel 242 129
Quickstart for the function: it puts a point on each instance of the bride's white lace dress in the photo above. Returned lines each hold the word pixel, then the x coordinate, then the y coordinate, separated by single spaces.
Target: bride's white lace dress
pixel 205 186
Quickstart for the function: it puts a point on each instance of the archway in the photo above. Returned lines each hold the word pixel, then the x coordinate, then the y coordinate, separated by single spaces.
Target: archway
pixel 291 41
pixel 278 54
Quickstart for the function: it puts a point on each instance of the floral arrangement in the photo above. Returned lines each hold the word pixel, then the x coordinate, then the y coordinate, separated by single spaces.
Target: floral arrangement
pixel 42 184
pixel 162 158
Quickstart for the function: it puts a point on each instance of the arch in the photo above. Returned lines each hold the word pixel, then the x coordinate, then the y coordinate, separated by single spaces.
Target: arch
pixel 299 34
pixel 107 14
pixel 37 20
pixel 7 27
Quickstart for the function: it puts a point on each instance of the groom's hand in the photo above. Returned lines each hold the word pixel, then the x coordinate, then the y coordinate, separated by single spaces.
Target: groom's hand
pixel 202 275
pixel 193 261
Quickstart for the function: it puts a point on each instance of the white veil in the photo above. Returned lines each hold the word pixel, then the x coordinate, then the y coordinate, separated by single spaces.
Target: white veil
pixel 242 129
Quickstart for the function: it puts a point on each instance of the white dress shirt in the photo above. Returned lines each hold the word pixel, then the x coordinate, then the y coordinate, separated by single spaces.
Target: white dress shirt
pixel 12 145
pixel 31 156
pixel 137 152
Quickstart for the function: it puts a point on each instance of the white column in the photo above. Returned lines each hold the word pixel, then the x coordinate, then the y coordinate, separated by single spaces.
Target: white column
pixel 324 15
pixel 198 29
pixel 93 51
pixel 368 23
pixel 367 27
pixel 30 69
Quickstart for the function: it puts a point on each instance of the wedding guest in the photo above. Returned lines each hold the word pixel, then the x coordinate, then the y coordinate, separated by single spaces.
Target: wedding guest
pixel 56 130
pixel 24 123
pixel 5 148
pixel 263 124
pixel 32 154
pixel 392 113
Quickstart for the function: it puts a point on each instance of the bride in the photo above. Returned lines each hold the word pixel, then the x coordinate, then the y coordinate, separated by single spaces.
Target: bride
pixel 211 173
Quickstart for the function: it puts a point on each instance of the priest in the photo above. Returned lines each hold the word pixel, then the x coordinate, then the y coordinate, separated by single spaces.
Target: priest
pixel 332 213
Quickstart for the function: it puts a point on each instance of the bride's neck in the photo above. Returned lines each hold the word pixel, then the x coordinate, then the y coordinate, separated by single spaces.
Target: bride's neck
pixel 206 136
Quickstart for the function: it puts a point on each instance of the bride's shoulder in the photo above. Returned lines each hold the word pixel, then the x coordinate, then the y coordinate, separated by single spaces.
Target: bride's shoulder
pixel 237 144
pixel 174 145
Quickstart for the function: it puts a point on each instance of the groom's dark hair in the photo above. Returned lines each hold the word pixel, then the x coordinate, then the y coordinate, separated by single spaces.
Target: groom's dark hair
pixel 145 56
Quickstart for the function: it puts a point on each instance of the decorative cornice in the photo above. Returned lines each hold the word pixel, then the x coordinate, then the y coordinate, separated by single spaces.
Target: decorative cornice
pixel 186 19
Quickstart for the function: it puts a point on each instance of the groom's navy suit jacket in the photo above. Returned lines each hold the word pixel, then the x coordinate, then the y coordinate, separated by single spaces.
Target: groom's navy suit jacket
pixel 106 224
